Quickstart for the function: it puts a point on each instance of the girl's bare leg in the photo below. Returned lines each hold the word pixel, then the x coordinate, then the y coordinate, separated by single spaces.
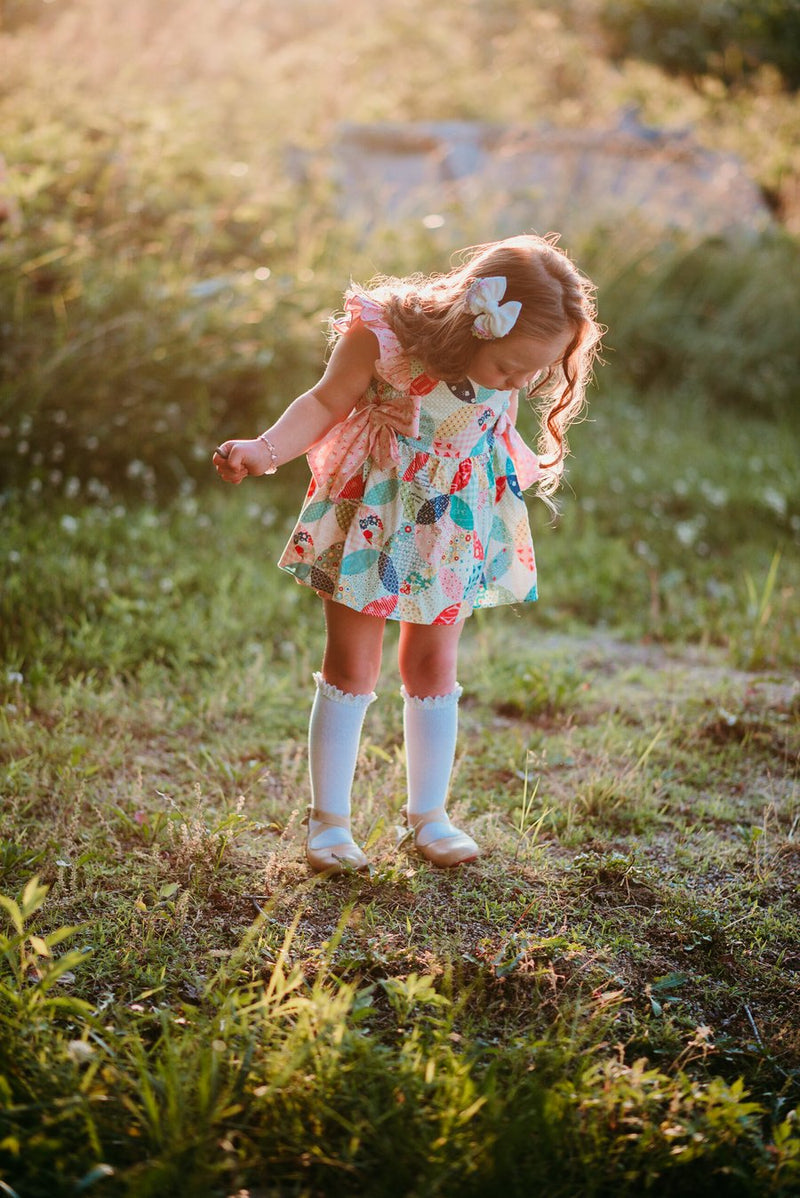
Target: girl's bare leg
pixel 353 649
pixel 428 658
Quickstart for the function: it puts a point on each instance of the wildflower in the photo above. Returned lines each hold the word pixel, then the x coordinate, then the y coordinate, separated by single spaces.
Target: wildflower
pixel 774 500
pixel 687 531
pixel 96 489
pixel 716 496
pixel 80 1051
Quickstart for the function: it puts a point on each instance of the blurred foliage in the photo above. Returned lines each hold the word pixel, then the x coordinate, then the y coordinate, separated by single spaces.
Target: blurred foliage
pixel 165 278
pixel 715 319
pixel 678 525
pixel 726 39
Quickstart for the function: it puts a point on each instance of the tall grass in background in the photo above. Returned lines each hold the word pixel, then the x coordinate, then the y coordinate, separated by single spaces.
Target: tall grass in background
pixel 125 384
pixel 166 282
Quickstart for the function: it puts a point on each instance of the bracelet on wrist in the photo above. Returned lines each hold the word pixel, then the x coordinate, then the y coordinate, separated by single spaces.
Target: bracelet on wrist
pixel 273 466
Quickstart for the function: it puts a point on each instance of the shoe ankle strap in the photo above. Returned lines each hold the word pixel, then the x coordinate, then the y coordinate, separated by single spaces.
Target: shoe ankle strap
pixel 436 815
pixel 327 817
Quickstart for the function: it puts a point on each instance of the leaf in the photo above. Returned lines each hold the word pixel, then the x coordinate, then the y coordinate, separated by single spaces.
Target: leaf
pixel 62 966
pixel 169 889
pixel 53 938
pixel 39 947
pixel 669 981
pixel 33 896
pixel 14 913
pixel 375 833
pixel 465 1115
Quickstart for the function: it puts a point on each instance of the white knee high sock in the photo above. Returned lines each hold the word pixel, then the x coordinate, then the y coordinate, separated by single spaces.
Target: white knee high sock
pixel 334 734
pixel 431 730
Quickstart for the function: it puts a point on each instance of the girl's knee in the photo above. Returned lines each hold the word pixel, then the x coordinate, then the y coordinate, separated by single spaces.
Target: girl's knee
pixel 353 668
pixel 353 650
pixel 428 662
pixel 352 678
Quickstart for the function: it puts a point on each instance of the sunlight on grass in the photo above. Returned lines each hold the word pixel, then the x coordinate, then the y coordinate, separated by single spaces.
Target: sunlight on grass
pixel 606 1002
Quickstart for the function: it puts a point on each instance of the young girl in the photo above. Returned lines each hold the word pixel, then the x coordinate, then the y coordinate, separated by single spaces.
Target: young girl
pixel 415 510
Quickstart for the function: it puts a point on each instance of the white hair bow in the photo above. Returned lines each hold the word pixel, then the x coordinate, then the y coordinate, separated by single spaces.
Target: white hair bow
pixel 492 319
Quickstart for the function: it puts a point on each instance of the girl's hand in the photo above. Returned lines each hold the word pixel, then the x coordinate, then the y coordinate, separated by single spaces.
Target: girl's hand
pixel 312 415
pixel 234 460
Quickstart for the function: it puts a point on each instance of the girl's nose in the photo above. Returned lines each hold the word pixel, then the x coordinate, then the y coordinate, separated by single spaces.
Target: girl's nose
pixel 526 380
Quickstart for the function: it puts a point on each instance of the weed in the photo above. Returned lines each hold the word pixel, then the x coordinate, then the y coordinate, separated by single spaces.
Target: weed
pixel 751 652
pixel 533 690
pixel 527 827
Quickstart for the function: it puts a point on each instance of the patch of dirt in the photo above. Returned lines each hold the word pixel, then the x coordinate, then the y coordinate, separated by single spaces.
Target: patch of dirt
pixel 688 670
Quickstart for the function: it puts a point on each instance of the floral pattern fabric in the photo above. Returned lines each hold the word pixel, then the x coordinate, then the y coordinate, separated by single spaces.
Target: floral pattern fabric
pixel 415 509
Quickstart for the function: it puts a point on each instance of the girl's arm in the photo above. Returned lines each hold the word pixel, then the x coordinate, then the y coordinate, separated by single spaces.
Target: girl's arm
pixel 348 374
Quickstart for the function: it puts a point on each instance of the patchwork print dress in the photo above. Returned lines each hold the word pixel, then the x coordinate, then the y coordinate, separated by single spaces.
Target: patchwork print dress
pixel 415 508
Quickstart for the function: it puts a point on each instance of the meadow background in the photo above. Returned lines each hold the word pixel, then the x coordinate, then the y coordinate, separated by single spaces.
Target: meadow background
pixel 607 1002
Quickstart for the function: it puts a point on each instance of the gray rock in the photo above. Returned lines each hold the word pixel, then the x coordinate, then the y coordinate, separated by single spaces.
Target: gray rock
pixel 513 178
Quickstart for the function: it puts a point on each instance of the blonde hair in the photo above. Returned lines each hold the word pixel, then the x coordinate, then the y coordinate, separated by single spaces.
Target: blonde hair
pixel 430 318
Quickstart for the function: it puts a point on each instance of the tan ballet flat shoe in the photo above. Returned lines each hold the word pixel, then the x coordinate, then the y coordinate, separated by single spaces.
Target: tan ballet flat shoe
pixel 446 851
pixel 334 858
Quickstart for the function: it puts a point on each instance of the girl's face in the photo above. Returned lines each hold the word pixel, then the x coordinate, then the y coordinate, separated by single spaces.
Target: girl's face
pixel 512 362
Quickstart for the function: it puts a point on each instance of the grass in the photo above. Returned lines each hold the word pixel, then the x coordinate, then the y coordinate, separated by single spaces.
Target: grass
pixel 619 971
pixel 606 1002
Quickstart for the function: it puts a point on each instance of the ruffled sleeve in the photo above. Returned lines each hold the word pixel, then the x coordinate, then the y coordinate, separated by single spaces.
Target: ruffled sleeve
pixel 371 429
pixel 392 363
pixel 525 461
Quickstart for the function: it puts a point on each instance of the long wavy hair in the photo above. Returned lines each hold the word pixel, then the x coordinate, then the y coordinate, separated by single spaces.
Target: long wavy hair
pixel 430 318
